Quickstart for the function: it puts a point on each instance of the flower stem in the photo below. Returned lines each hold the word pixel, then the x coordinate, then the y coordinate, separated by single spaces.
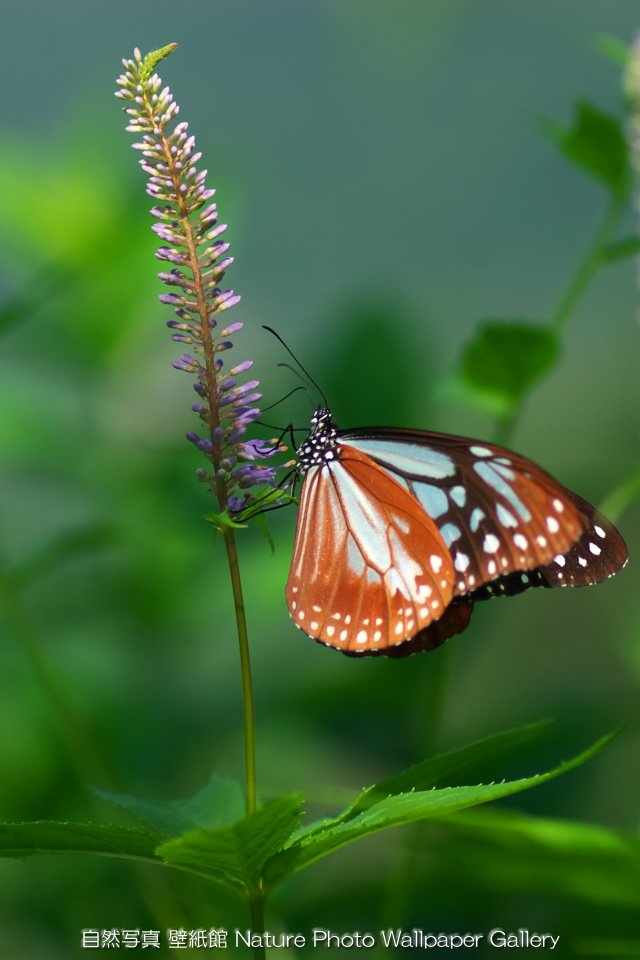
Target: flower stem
pixel 245 666
pixel 589 264
pixel 256 906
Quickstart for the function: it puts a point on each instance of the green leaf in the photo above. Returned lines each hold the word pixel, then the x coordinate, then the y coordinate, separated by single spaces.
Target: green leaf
pixel 620 249
pixel 261 523
pixel 265 501
pixel 596 143
pixel 532 854
pixel 508 357
pixel 322 839
pixel 47 836
pixel 222 522
pixel 235 855
pixel 431 772
pixel 216 805
pixel 613 48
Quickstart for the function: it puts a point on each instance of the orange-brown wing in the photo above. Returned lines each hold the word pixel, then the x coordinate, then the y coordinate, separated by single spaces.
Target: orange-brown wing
pixel 370 569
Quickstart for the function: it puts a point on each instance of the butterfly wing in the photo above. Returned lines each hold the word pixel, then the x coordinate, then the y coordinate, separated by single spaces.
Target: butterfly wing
pixel 597 555
pixel 500 514
pixel 370 569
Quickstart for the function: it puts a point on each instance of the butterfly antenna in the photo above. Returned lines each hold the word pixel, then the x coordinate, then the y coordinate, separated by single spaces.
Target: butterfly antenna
pixel 292 354
pixel 282 399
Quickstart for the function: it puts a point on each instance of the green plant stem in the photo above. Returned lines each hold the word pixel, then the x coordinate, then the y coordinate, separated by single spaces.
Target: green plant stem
pixel 245 666
pixel 590 262
pixel 575 289
pixel 256 907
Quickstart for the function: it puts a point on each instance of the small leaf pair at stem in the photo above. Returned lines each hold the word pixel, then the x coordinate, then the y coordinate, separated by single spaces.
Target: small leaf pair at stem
pixel 507 358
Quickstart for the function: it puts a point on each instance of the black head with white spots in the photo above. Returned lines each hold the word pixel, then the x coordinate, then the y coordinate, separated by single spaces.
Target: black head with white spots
pixel 319 447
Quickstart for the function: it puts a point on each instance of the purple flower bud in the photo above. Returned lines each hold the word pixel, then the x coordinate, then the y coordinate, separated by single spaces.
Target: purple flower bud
pixel 231 302
pixel 236 504
pixel 174 325
pixel 232 329
pixel 197 408
pixel 193 437
pixel 166 253
pixel 246 418
pixel 200 388
pixel 245 387
pixel 241 368
pixel 251 398
pixel 237 434
pixel 172 299
pixel 218 436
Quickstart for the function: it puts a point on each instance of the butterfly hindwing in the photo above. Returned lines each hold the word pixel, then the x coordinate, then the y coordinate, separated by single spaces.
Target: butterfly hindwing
pixel 498 512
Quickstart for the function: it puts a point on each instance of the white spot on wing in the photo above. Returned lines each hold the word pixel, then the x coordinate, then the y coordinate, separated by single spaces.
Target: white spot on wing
pixel 552 525
pixel 461 562
pixel 476 516
pixel 459 495
pixel 436 562
pixel 480 451
pixel 598 530
pixel 449 533
pixel 490 543
pixel 506 518
pixel 595 549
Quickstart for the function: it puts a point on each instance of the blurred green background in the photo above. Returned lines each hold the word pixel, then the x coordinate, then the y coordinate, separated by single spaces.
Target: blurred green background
pixel 386 185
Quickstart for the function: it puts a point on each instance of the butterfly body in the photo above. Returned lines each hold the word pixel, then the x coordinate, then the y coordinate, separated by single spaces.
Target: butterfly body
pixel 400 531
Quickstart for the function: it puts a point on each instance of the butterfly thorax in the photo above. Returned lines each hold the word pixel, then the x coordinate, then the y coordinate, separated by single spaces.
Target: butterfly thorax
pixel 320 445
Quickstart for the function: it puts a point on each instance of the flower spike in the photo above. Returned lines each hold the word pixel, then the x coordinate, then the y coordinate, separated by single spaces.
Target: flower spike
pixel 187 226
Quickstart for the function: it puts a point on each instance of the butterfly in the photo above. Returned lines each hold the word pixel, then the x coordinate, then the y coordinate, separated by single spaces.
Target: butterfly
pixel 400 532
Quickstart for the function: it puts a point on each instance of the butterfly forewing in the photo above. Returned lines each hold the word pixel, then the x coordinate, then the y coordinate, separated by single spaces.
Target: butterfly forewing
pixel 369 568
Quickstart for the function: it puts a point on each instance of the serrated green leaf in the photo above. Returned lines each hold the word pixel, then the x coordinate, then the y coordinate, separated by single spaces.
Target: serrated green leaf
pixel 507 357
pixel 48 836
pixel 324 838
pixel 433 771
pixel 530 854
pixel 216 805
pixel 235 855
pixel 596 143
pixel 620 249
